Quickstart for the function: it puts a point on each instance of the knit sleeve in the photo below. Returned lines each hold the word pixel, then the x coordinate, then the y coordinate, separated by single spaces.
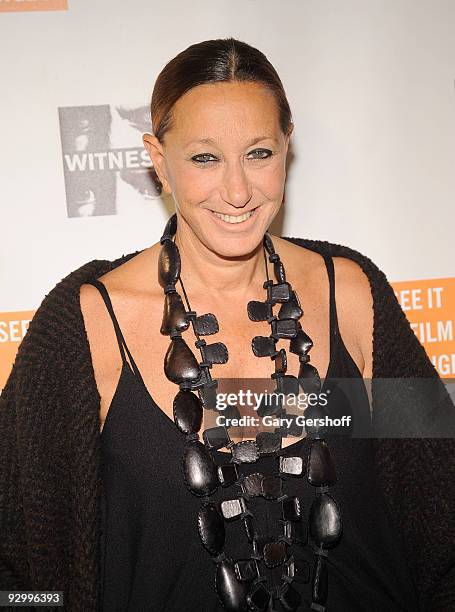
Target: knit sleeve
pixel 417 474
pixel 33 461
pixel 13 554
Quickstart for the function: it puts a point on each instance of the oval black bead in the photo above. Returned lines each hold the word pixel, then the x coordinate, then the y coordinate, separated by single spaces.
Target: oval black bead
pixel 211 528
pixel 168 264
pixel 188 411
pixel 321 471
pixel 199 469
pixel 180 364
pixel 174 314
pixel 325 521
pixel 231 591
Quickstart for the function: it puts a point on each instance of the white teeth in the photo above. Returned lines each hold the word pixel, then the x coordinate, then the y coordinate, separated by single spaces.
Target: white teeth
pixel 231 219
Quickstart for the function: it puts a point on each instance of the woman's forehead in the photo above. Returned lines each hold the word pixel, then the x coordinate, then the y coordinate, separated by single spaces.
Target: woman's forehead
pixel 210 112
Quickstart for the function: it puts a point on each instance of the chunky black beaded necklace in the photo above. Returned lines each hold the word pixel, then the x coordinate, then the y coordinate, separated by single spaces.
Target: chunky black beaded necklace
pixel 241 584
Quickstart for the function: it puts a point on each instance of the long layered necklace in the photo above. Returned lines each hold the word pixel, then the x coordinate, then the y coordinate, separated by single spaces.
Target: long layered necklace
pixel 241 584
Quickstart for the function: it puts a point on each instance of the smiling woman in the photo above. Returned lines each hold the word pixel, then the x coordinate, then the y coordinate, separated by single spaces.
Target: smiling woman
pixel 103 445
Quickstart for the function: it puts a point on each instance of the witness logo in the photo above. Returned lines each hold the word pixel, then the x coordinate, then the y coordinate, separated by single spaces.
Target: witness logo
pixel 97 160
pixel 33 5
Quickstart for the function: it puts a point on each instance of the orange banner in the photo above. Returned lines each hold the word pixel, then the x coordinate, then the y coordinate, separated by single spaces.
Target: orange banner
pixel 429 306
pixel 33 5
pixel 13 326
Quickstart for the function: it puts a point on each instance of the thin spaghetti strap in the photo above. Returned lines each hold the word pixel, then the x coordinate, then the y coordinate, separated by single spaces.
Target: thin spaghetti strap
pixel 333 309
pixel 118 332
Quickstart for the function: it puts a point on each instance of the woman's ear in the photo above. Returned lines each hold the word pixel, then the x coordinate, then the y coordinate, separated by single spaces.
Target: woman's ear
pixel 155 150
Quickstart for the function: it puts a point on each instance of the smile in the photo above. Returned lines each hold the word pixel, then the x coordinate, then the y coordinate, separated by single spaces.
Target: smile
pixel 234 219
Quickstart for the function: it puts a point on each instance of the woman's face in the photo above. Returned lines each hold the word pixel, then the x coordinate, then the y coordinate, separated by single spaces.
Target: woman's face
pixel 224 154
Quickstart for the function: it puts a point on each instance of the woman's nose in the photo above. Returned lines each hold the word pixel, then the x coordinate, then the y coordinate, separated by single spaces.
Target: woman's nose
pixel 236 188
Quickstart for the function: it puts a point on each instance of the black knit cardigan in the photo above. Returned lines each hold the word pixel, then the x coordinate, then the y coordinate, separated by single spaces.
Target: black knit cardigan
pixel 50 448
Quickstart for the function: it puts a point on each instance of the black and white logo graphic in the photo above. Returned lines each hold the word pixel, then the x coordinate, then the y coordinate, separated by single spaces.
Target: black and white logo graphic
pixel 107 170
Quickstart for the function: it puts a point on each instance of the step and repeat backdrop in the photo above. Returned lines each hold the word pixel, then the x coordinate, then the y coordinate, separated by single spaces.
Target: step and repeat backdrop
pixel 371 88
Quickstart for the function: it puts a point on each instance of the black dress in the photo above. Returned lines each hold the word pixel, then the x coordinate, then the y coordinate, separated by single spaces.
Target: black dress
pixel 152 557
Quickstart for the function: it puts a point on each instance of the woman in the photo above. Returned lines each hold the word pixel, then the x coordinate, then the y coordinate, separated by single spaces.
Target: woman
pixel 118 495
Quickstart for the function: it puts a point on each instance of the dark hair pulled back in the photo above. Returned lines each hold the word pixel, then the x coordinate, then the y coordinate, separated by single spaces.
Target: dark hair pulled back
pixel 214 61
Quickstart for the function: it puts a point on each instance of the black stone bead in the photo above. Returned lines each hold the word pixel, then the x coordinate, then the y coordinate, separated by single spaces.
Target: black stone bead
pixel 274 553
pixel 180 364
pixel 233 508
pixel 290 599
pixel 294 429
pixel 270 405
pixel 259 311
pixel 263 346
pixel 168 264
pixel 291 509
pixel 301 343
pixel 268 244
pixel 230 412
pixel 313 416
pixel 253 484
pixel 321 471
pixel 280 274
pixel 228 474
pixel 325 521
pixel 199 469
pixel 288 384
pixel 245 570
pixel 174 314
pixel 215 353
pixel 187 411
pixel 284 328
pixel 268 442
pixel 280 292
pixel 206 324
pixel 245 451
pixel 231 591
pixel 259 597
pixel 216 437
pixel 208 393
pixel 281 362
pixel 292 466
pixel 272 487
pixel 291 309
pixel 320 581
pixel 211 528
pixel 309 378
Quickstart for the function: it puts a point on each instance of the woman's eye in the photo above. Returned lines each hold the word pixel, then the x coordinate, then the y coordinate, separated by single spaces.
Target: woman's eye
pixel 203 158
pixel 261 153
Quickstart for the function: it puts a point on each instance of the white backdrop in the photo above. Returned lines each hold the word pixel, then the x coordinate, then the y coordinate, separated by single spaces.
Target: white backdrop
pixel 371 88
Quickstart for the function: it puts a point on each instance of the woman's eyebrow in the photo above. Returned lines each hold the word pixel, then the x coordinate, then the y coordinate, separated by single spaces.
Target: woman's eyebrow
pixel 211 141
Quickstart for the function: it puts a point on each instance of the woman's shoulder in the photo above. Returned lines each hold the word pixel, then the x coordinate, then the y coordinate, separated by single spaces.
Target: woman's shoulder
pixel 57 322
